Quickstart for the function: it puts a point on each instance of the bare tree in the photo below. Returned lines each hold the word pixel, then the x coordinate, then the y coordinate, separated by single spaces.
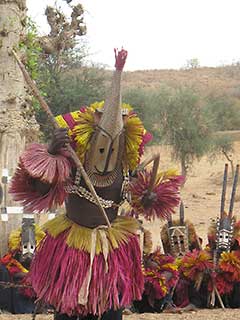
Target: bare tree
pixel 64 32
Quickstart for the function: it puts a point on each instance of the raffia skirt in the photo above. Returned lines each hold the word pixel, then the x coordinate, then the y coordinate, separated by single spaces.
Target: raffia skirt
pixel 81 271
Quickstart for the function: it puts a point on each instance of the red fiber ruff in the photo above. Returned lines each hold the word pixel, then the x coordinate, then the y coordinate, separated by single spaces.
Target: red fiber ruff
pixel 158 265
pixel 49 168
pixel 58 271
pixel 147 137
pixel 195 263
pixel 167 196
pixel 37 163
pixel 223 285
pixel 155 287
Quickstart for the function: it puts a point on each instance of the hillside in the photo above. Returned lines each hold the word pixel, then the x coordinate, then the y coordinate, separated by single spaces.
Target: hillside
pixel 215 81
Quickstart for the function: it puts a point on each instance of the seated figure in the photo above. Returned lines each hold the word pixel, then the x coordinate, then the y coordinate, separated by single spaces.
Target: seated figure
pixel 14 266
pixel 179 237
pixel 214 273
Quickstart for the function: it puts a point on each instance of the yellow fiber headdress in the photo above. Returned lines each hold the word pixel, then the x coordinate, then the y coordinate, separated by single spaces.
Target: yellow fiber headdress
pixel 14 242
pixel 81 126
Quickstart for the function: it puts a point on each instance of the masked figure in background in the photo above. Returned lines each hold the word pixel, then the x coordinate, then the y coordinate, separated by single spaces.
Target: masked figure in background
pixel 15 265
pixel 83 266
pixel 179 238
pixel 215 270
pixel 224 246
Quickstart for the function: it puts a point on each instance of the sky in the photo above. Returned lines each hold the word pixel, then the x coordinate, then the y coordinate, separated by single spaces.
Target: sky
pixel 158 34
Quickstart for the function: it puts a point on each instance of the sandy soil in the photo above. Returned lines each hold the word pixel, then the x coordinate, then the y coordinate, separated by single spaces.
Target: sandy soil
pixel 201 196
pixel 202 191
pixel 217 314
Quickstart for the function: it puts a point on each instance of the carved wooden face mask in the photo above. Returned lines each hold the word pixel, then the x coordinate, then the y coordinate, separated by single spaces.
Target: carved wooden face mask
pixel 224 233
pixel 28 242
pixel 225 223
pixel 179 240
pixel 178 235
pixel 104 157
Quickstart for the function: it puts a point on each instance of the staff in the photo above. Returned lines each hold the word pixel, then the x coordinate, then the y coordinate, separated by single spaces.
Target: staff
pixel 74 156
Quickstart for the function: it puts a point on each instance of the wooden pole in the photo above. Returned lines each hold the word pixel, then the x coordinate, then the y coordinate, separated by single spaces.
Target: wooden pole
pixel 74 156
pixel 224 188
pixel 234 188
pixel 154 172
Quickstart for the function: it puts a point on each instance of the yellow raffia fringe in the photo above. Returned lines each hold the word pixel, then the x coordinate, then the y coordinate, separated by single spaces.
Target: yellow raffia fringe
pixel 231 258
pixel 170 266
pixel 203 256
pixel 12 263
pixel 14 241
pixel 79 237
pixel 134 131
pixel 178 262
pixel 85 125
pixel 163 176
pixel 161 281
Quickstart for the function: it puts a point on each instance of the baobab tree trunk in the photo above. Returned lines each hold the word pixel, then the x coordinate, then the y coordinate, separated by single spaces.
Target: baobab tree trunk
pixel 15 128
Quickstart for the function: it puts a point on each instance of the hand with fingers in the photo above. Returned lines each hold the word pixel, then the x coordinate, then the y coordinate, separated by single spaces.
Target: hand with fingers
pixel 59 140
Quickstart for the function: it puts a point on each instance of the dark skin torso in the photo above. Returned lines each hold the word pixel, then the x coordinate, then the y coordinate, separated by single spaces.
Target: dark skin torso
pixel 78 209
pixel 84 212
pixel 87 214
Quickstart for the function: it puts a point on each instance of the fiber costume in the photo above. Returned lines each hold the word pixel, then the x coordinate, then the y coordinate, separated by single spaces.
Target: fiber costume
pixel 223 247
pixel 223 244
pixel 215 272
pixel 179 239
pixel 84 267
pixel 160 276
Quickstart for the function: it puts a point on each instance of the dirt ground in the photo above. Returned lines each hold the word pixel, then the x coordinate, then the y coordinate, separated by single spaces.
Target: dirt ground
pixel 216 314
pixel 202 191
pixel 201 196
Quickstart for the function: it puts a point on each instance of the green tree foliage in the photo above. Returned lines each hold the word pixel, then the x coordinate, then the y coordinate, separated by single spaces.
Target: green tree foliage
pixel 225 113
pixel 31 48
pixel 69 90
pixel 31 52
pixel 185 127
pixel 140 100
pixel 148 104
pixel 186 121
pixel 223 144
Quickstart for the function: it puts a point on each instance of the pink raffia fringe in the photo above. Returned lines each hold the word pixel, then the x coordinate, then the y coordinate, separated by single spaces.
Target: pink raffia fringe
pixel 37 164
pixel 58 272
pixel 167 196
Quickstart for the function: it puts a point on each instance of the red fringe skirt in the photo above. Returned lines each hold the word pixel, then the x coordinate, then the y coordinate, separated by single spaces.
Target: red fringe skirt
pixel 59 272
